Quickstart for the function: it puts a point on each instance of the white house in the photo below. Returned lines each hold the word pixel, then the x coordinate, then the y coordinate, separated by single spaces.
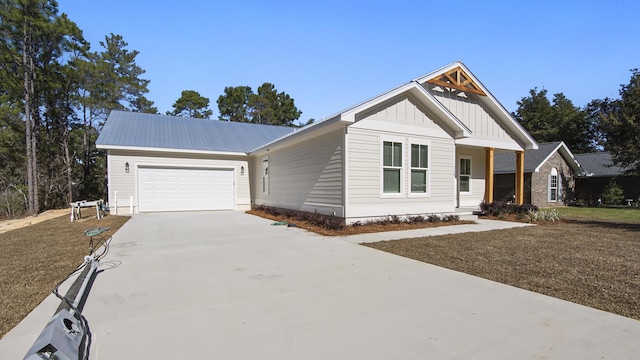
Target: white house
pixel 422 148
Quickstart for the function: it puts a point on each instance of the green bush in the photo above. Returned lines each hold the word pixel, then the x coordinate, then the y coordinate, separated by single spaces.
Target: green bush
pixel 612 194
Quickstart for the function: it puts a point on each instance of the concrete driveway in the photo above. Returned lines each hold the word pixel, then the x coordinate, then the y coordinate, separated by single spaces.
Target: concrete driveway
pixel 226 285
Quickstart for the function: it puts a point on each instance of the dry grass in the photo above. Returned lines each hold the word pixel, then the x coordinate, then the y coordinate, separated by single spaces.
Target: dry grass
pixel 592 263
pixel 35 258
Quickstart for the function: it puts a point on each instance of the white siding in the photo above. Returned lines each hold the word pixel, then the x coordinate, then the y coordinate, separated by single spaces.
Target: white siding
pixel 477 156
pixel 125 184
pixel 364 164
pixel 306 176
pixel 475 116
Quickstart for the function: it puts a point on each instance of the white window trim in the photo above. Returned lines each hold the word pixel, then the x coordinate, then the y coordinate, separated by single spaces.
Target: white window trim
pixel 554 172
pixel 428 169
pixel 470 192
pixel 402 141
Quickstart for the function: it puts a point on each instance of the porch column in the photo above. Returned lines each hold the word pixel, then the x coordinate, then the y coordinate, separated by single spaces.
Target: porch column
pixel 488 182
pixel 519 177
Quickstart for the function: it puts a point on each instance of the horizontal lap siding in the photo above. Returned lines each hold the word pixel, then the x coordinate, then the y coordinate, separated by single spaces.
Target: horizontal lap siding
pixel 125 183
pixel 307 176
pixel 364 166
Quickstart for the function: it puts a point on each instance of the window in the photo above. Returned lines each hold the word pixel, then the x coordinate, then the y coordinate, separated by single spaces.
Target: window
pixel 419 168
pixel 391 167
pixel 553 186
pixel 465 175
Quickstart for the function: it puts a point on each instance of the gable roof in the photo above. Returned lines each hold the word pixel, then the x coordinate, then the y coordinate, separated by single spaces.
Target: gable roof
pixel 466 81
pixel 132 130
pixel 599 164
pixel 505 163
pixel 413 87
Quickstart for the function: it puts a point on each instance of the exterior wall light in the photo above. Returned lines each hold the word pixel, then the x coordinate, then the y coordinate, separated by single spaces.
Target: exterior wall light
pixel 241 170
pixel 126 167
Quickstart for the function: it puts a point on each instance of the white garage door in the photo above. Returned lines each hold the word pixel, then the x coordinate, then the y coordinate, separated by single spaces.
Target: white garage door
pixel 181 189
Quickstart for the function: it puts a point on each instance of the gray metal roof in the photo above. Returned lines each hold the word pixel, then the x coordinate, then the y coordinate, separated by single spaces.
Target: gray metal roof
pixel 132 129
pixel 505 163
pixel 599 164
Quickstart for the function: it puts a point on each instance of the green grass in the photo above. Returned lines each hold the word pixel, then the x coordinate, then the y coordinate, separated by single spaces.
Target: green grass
pixel 622 214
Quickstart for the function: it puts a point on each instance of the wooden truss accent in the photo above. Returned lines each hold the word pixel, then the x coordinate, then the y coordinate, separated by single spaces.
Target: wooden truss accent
pixel 459 80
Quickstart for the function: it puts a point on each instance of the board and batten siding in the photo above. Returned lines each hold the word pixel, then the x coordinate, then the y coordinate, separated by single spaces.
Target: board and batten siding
pixel 398 120
pixel 305 176
pixel 476 117
pixel 126 184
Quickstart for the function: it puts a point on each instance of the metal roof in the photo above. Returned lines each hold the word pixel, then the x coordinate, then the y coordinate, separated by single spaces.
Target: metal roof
pixel 599 164
pixel 133 129
pixel 505 163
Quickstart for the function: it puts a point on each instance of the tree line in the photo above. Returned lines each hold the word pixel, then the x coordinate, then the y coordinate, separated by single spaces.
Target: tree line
pixel 601 125
pixel 55 95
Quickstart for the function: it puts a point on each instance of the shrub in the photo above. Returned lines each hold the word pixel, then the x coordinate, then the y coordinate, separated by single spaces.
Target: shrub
pixel 612 194
pixel 498 208
pixel 544 215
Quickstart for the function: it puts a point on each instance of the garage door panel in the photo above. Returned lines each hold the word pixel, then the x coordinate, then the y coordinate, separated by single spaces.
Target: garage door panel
pixel 182 189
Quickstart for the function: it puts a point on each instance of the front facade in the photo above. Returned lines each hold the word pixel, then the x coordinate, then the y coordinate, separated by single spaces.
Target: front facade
pixel 425 147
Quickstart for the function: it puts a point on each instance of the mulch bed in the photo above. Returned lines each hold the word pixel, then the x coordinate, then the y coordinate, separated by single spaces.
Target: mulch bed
pixel 353 230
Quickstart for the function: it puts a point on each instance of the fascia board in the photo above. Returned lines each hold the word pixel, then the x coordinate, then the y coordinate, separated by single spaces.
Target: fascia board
pixel 529 143
pixel 427 99
pixel 168 150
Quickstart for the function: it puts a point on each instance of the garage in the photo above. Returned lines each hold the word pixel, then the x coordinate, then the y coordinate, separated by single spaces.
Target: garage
pixel 185 189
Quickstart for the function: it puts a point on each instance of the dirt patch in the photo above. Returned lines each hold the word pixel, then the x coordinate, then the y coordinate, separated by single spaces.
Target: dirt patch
pixel 8 225
pixel 36 257
pixel 593 263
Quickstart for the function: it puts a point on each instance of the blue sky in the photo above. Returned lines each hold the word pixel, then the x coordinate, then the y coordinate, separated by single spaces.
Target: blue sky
pixel 329 55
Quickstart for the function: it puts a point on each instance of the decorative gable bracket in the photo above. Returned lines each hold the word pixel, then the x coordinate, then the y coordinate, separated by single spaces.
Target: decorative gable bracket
pixel 459 80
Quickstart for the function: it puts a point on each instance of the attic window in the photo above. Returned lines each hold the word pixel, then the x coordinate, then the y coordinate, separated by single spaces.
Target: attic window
pixel 457 79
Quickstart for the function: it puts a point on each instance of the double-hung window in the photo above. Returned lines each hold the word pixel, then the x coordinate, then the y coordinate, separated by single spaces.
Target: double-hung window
pixel 465 175
pixel 419 168
pixel 391 167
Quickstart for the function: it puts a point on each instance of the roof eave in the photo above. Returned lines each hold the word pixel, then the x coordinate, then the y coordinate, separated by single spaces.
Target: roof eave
pixel 413 87
pixel 169 150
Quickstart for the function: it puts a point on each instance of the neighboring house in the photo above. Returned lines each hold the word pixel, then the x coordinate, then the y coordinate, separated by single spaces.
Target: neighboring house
pixel 599 171
pixel 422 148
pixel 550 173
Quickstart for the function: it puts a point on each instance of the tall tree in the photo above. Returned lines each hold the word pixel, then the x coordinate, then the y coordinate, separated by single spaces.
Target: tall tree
pixel 191 104
pixel 111 80
pixel 33 37
pixel 619 122
pixel 267 106
pixel 272 108
pixel 234 104
pixel 556 120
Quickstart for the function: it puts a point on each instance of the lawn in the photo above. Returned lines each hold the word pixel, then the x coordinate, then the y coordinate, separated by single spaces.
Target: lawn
pixel 590 262
pixel 34 258
pixel 629 214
